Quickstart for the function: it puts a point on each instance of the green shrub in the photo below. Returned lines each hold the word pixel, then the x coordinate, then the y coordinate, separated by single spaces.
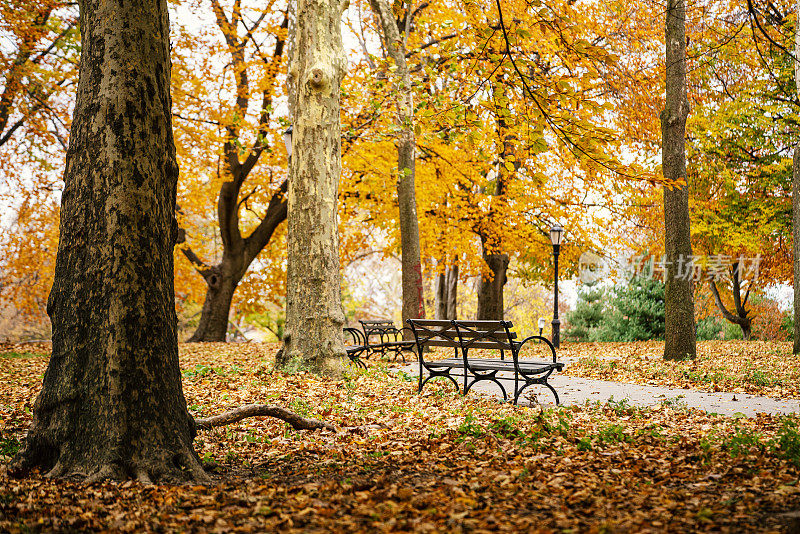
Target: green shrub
pixel 710 328
pixel 787 325
pixel 636 312
pixel 733 331
pixel 587 315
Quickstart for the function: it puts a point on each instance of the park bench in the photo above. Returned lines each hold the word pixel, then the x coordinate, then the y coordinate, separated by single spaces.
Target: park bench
pixel 381 336
pixel 355 345
pixel 464 336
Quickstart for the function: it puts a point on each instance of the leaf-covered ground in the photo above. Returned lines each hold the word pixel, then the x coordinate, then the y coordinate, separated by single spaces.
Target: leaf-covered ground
pixel 754 367
pixel 430 462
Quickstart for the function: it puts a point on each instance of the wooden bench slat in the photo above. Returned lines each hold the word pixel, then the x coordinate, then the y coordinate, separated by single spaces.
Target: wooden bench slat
pixel 484 325
pixel 475 345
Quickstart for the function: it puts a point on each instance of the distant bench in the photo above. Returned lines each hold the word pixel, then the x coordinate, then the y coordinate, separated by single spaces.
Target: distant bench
pixel 466 335
pixel 382 336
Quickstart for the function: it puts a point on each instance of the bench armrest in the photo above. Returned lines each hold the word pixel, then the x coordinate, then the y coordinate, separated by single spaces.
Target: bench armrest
pixel 356 336
pixel 539 338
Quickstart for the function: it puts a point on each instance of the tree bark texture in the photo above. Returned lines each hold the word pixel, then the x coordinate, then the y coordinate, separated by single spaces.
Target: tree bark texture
pixel 490 292
pixel 796 200
pixel 111 404
pixel 314 315
pixel 413 302
pixel 796 231
pixel 238 251
pixel 678 299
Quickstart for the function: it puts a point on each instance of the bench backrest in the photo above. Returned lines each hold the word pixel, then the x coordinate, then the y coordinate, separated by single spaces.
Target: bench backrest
pixel 376 331
pixel 463 334
pixel 377 323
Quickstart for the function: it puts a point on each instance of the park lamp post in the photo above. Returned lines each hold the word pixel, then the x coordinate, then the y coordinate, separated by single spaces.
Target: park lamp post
pixel 287 140
pixel 556 235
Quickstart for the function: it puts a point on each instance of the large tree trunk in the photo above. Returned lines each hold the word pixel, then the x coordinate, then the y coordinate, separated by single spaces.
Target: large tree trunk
pixel 678 299
pixel 413 303
pixel 796 231
pixel 111 405
pixel 796 200
pixel 490 292
pixel 314 314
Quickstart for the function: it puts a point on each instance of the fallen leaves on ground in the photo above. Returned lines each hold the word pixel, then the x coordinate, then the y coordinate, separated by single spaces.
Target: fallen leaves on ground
pixel 432 462
pixel 753 367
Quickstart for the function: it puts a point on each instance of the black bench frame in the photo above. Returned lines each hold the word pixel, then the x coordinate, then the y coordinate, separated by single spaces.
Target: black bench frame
pixel 355 345
pixel 389 338
pixel 465 335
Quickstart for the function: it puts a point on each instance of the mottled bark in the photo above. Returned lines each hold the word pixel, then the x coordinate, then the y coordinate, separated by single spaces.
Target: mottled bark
pixel 111 404
pixel 796 201
pixel 490 291
pixel 314 315
pixel 741 316
pixel 679 325
pixel 796 234
pixel 238 251
pixel 452 292
pixel 413 303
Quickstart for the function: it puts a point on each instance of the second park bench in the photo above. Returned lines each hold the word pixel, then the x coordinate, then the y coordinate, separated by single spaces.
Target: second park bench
pixel 466 336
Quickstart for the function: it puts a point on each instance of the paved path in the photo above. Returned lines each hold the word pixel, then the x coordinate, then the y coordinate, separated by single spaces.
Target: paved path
pixel 573 390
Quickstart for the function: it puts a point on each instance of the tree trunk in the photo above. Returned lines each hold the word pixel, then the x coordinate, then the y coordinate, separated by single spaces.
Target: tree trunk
pixel 678 299
pixel 413 303
pixel 796 230
pixel 441 296
pixel 796 201
pixel 452 292
pixel 213 325
pixel 314 315
pixel 238 252
pixel 111 404
pixel 742 316
pixel 490 292
pixel 223 279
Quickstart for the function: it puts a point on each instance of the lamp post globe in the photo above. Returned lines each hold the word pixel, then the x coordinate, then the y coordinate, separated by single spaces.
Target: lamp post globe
pixel 556 236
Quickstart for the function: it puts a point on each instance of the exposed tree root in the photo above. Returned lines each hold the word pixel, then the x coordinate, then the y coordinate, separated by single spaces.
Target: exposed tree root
pixel 255 410
pixel 298 422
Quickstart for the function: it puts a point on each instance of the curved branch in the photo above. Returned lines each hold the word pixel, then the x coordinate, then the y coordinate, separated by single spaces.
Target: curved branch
pixel 262 410
pixel 276 214
pixel 725 313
